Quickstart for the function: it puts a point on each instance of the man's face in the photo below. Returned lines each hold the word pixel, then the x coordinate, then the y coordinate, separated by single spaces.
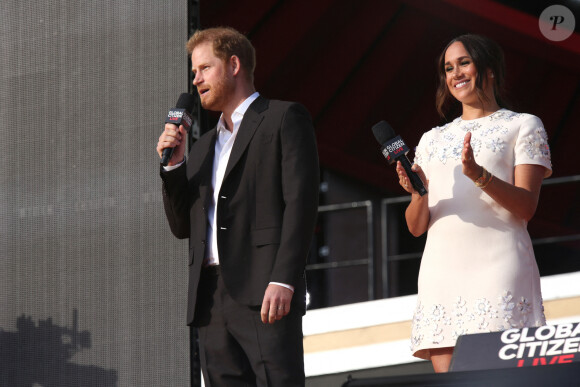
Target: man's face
pixel 213 78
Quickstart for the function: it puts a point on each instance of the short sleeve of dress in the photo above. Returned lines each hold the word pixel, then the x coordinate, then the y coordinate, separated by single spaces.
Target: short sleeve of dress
pixel 421 151
pixel 532 144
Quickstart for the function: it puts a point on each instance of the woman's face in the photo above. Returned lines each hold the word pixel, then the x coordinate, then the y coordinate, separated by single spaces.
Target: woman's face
pixel 461 74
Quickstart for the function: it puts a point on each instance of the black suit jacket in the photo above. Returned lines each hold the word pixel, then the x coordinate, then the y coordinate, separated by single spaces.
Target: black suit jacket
pixel 267 204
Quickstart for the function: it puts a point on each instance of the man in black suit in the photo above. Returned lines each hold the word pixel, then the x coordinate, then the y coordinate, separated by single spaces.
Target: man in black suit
pixel 247 199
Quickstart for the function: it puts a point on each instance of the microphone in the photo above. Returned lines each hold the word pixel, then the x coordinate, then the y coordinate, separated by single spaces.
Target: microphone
pixel 395 149
pixel 180 115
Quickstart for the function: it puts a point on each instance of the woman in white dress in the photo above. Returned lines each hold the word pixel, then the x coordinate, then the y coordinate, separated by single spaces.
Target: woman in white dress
pixel 483 171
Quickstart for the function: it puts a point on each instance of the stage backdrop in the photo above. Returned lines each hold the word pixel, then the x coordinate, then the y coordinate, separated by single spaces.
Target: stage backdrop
pixel 92 283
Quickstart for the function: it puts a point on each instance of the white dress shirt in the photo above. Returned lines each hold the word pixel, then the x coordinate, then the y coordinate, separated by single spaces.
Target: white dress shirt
pixel 223 148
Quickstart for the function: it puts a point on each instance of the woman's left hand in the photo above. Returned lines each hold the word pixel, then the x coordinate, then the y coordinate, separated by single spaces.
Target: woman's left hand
pixel 470 168
pixel 521 197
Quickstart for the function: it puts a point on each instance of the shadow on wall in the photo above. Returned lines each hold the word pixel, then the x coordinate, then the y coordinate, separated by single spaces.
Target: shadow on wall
pixel 38 355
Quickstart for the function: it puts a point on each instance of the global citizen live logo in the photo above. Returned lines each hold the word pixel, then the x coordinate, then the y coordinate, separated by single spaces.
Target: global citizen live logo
pixel 557 23
pixel 549 344
pixel 394 148
pixel 179 116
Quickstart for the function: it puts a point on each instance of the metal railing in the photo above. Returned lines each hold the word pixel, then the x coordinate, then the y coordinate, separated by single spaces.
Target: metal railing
pixel 369 260
pixel 385 258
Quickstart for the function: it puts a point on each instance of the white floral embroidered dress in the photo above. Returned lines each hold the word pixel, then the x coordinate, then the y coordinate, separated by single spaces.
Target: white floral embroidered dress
pixel 478 270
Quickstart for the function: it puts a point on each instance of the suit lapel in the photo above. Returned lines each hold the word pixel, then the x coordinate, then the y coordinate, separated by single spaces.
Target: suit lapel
pixel 252 119
pixel 205 188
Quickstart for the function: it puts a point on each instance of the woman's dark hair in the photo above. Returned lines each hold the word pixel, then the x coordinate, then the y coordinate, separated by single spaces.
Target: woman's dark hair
pixel 486 54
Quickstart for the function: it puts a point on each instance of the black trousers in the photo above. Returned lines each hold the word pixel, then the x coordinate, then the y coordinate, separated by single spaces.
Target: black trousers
pixel 237 349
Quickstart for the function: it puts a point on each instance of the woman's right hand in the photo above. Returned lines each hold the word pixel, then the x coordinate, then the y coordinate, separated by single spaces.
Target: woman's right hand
pixel 417 213
pixel 404 180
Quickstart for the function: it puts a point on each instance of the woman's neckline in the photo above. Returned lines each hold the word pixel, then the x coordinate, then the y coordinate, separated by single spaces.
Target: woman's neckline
pixel 479 118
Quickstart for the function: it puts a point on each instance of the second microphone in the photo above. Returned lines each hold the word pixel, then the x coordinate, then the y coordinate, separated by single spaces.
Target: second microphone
pixel 394 149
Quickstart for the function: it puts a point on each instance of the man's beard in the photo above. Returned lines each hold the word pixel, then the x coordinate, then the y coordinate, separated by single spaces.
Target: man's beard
pixel 219 94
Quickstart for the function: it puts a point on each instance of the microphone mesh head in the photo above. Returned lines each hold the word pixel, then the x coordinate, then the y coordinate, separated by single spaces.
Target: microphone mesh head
pixel 186 101
pixel 383 132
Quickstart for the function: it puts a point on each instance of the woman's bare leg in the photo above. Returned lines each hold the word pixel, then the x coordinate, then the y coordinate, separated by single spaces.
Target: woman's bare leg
pixel 441 358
